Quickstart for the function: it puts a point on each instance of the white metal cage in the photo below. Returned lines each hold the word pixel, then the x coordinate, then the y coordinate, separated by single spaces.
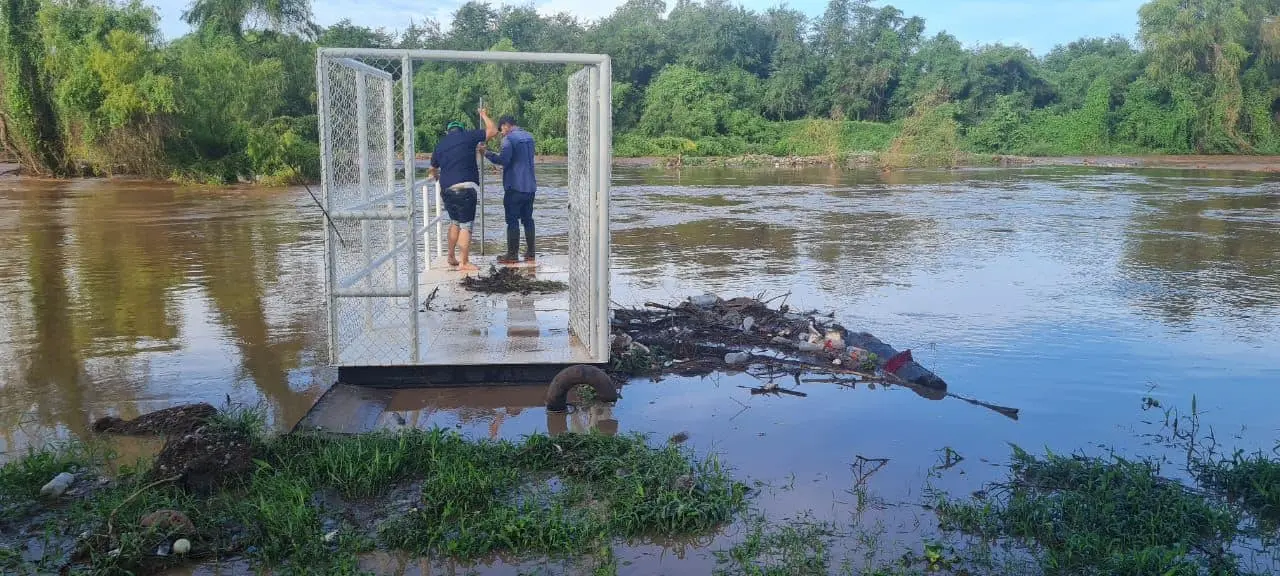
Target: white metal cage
pixel 379 237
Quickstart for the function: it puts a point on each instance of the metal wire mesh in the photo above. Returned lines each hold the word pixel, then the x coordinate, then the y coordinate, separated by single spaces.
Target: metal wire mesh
pixel 579 137
pixel 374 244
pixel 371 243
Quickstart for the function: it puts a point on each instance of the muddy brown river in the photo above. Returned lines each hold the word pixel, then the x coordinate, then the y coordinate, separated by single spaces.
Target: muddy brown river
pixel 1070 293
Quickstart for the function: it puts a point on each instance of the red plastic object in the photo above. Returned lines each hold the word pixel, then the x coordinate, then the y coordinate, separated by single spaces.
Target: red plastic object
pixel 898 361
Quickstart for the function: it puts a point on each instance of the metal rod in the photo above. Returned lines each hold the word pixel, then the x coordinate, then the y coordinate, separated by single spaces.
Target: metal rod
pixel 410 178
pixel 467 56
pixel 366 215
pixel 604 233
pixel 593 103
pixel 389 127
pixel 480 165
pixel 326 158
pixel 362 136
pixel 439 222
pixel 426 227
pixel 376 293
pixel 363 68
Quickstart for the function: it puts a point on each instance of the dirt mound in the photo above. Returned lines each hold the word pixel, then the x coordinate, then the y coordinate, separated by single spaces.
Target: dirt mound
pixel 205 459
pixel 511 280
pixel 175 421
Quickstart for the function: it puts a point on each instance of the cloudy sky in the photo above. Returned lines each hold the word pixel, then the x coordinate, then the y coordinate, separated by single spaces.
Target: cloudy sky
pixel 1036 24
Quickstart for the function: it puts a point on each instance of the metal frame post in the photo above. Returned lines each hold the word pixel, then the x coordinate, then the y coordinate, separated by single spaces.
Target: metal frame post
pixel 326 156
pixel 604 141
pixel 410 177
pixel 362 135
pixel 339 205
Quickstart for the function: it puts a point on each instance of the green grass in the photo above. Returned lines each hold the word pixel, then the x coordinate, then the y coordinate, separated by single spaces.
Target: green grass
pixel 1251 480
pixel 1083 515
pixel 801 547
pixel 569 496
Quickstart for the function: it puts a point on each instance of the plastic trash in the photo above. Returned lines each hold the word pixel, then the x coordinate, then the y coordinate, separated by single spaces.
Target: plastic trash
pixel 735 358
pixel 747 323
pixel 834 340
pixel 181 546
pixel 58 485
pixel 805 346
pixel 704 301
pixel 899 360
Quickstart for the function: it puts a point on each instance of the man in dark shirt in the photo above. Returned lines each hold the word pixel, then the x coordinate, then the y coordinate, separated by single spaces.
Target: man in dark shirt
pixel 454 164
pixel 519 186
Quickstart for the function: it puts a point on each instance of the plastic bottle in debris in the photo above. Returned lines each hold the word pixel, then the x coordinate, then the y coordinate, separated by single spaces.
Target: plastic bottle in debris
pixel 806 346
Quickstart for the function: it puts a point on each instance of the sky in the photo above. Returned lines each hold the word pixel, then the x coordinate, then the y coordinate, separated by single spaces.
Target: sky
pixel 1036 24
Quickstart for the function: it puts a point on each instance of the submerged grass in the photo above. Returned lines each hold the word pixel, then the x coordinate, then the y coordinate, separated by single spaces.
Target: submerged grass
pixel 1253 481
pixel 801 547
pixel 561 496
pixel 1086 515
pixel 565 496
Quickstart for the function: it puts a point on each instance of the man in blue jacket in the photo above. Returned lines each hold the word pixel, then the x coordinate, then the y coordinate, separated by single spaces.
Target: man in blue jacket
pixel 454 163
pixel 519 186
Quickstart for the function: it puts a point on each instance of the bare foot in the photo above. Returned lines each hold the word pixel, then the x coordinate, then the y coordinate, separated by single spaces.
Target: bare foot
pixel 468 267
pixel 453 261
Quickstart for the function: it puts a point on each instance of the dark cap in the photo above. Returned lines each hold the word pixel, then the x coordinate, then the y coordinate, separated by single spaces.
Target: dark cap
pixel 505 120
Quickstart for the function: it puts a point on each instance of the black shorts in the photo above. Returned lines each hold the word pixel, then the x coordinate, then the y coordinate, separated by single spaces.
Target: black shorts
pixel 460 203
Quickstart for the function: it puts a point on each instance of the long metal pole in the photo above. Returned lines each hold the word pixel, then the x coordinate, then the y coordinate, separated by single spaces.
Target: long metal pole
pixel 389 127
pixel 468 56
pixel 410 177
pixel 362 136
pixel 480 165
pixel 326 157
pixel 439 222
pixel 593 103
pixel 604 234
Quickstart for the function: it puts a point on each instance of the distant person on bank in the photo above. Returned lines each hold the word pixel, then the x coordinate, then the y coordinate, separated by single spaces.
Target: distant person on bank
pixel 519 187
pixel 454 164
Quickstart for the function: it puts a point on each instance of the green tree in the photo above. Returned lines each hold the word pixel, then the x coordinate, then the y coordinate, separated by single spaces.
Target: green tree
pixel 232 17
pixel 29 122
pixel 792 73
pixel 684 102
pixel 344 34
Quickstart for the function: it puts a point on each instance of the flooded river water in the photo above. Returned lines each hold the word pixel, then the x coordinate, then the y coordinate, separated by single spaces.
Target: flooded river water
pixel 1070 293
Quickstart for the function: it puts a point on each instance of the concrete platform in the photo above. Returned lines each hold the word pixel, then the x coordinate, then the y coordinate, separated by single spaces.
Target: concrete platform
pixel 469 337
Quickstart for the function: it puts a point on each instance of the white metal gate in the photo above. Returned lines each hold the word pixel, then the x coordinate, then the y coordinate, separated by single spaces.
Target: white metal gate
pixel 378 239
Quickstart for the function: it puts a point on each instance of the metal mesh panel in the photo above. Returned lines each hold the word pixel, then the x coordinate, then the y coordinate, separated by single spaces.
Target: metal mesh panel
pixel 371 247
pixel 374 230
pixel 579 136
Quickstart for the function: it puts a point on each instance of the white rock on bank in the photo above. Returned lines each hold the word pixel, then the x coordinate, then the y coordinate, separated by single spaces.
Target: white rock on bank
pixel 58 485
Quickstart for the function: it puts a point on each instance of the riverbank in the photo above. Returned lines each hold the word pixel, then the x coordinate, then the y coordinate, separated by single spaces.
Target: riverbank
pixel 870 160
pixel 312 503
pixel 873 160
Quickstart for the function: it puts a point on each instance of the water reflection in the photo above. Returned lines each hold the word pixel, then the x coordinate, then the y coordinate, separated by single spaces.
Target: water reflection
pixel 1068 293
pixel 127 289
pixel 1190 257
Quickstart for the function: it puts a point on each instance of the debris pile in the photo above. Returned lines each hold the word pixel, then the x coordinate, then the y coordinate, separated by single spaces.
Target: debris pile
pixel 705 334
pixel 174 421
pixel 511 280
pixel 198 455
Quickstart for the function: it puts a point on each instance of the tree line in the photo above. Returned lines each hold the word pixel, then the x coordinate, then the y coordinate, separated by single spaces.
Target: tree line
pixel 89 86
